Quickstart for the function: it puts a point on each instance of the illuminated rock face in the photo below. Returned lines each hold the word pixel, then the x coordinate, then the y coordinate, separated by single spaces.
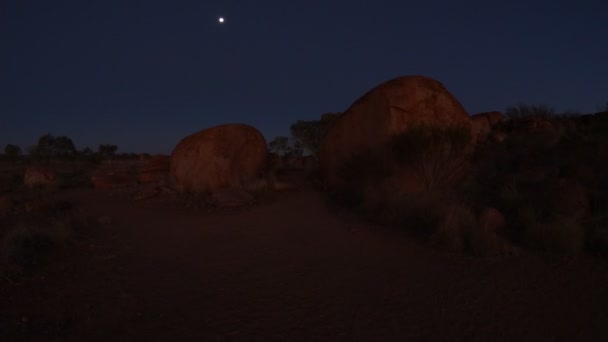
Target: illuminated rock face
pixel 228 155
pixel 385 111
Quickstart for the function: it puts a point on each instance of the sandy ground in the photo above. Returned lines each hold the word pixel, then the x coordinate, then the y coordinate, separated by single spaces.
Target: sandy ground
pixel 290 270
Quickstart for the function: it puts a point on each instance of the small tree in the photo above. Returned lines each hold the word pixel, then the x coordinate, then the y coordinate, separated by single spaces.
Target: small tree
pixel 525 111
pixel 12 151
pixel 52 147
pixel 87 151
pixel 107 150
pixel 310 133
pixel 294 150
pixel 279 145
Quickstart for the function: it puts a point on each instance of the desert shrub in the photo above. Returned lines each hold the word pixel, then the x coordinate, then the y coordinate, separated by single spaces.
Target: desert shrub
pixel 30 237
pixel 11 182
pixel 433 152
pixel 417 213
pixel 526 111
pixel 30 242
pixel 522 177
pixel 363 170
pixel 460 231
pixel 27 247
pixel 457 224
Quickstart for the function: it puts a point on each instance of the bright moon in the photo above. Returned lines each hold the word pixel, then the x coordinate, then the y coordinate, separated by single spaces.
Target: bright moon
pixel 221 20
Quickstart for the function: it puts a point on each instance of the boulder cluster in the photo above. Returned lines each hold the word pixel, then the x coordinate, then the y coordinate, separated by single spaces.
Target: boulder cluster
pixel 405 138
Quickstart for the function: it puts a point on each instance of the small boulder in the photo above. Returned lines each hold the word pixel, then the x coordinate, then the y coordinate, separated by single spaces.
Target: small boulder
pixel 481 128
pixel 497 136
pixel 483 125
pixel 156 170
pixel 492 220
pixel 495 118
pixel 39 176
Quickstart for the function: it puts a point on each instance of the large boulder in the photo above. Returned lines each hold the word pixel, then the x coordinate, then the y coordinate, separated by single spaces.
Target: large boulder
pixel 231 197
pixel 385 111
pixel 228 155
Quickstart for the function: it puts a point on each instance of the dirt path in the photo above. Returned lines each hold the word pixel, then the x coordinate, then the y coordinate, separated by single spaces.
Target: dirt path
pixel 289 271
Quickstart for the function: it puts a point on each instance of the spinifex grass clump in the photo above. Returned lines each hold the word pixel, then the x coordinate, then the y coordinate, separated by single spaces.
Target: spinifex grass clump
pixel 436 154
pixel 34 231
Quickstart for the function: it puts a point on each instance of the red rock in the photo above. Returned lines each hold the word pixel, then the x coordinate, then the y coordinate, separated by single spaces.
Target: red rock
pixel 484 124
pixel 39 176
pixel 495 118
pixel 385 111
pixel 491 219
pixel 156 170
pixel 481 128
pixel 222 156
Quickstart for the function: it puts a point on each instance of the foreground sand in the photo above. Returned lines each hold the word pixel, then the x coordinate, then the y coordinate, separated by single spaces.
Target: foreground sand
pixel 290 270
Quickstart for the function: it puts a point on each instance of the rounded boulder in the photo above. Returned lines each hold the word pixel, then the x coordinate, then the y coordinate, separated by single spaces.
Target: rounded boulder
pixel 228 155
pixel 384 112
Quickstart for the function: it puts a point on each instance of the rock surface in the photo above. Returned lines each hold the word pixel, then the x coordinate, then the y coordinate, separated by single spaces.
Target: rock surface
pixel 223 156
pixel 39 176
pixel 387 110
pixel 156 170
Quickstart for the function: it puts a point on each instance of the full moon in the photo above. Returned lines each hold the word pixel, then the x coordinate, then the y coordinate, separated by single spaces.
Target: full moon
pixel 220 20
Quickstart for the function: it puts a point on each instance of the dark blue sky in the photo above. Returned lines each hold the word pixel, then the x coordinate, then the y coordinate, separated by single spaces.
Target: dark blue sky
pixel 144 74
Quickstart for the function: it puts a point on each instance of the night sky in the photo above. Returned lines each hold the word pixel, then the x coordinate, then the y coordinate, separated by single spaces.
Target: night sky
pixel 144 74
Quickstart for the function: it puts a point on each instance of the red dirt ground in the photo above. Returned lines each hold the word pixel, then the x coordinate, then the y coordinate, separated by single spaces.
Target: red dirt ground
pixel 290 270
